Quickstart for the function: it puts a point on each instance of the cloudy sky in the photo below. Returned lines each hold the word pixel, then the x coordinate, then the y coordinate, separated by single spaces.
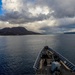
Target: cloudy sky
pixel 45 16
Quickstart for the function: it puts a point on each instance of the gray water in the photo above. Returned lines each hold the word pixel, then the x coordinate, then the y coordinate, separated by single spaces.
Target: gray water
pixel 18 53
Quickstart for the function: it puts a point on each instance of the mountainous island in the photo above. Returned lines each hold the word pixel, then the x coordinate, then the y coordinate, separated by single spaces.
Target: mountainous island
pixel 69 33
pixel 16 31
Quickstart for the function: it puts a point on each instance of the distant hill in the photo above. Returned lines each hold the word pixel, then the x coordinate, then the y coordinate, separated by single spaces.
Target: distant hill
pixel 16 31
pixel 69 33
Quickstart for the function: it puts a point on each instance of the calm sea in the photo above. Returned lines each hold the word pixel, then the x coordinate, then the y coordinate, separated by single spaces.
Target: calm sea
pixel 18 53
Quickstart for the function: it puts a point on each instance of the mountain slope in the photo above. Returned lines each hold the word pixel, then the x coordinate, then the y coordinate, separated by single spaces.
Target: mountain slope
pixel 16 31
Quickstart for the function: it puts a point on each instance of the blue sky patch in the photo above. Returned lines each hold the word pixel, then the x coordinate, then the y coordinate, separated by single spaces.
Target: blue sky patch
pixel 1 12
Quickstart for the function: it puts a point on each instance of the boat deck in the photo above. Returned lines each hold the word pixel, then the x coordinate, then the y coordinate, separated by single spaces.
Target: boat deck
pixel 46 69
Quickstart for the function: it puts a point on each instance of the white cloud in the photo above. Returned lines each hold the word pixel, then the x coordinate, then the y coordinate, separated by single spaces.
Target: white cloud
pixel 11 5
pixel 38 25
pixel 39 10
pixel 7 24
pixel 72 30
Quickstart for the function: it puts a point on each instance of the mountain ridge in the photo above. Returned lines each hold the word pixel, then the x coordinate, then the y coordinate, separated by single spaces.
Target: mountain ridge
pixel 16 31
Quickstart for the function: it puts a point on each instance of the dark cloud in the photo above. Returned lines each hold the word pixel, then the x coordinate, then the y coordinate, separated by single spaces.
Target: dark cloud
pixel 17 18
pixel 62 8
pixel 59 29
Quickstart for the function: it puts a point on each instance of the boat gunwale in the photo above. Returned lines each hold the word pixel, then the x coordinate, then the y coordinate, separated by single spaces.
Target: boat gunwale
pixel 63 58
pixel 37 60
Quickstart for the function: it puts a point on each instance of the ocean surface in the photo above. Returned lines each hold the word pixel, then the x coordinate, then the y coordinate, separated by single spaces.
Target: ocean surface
pixel 18 53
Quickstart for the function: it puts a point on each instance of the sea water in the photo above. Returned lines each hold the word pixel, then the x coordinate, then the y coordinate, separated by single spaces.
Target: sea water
pixel 18 53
